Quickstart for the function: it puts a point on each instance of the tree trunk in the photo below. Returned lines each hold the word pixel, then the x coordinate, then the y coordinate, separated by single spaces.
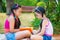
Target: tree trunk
pixel 9 4
pixel 0 5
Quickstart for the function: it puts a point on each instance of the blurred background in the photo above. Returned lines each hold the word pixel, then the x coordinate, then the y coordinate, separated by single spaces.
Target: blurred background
pixel 27 17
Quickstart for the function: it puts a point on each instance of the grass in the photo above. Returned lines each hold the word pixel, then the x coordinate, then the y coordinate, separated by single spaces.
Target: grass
pixel 25 18
pixel 2 18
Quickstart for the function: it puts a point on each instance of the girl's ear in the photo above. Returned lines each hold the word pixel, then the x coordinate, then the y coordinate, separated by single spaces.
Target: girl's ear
pixel 14 11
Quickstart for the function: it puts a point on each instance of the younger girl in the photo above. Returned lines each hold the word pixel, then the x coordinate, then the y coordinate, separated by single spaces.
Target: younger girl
pixel 46 30
pixel 12 25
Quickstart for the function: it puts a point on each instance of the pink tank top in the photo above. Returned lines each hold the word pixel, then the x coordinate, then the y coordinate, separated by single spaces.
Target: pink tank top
pixel 6 26
pixel 49 29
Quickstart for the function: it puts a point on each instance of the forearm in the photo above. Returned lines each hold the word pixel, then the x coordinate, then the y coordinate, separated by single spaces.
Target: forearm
pixel 41 34
pixel 36 31
pixel 14 30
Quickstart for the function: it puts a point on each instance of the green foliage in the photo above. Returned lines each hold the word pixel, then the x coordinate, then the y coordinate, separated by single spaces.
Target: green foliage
pixel 26 2
pixel 51 6
pixel 4 5
pixel 36 23
pixel 41 4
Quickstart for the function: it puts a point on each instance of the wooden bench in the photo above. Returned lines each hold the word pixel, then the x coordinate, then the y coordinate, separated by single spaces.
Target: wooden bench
pixel 28 9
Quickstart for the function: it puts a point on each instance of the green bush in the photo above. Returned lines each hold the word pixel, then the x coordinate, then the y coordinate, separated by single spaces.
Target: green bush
pixel 41 4
pixel 3 6
pixel 26 2
pixel 36 23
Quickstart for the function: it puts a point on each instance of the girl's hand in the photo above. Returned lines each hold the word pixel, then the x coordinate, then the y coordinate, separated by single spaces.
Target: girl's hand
pixel 34 32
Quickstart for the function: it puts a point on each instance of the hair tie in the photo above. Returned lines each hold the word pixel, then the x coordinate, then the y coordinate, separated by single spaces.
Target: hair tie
pixel 16 5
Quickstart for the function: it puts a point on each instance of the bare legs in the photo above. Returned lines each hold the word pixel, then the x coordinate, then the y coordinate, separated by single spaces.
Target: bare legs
pixel 36 37
pixel 22 34
pixel 26 34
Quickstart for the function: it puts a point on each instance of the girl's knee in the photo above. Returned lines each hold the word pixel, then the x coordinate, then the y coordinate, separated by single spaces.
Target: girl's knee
pixel 22 34
pixel 41 38
pixel 35 37
pixel 28 32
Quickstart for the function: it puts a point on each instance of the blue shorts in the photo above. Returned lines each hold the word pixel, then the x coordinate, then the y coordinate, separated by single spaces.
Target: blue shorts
pixel 45 37
pixel 10 36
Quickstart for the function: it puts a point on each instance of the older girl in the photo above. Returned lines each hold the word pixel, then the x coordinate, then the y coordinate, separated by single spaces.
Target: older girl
pixel 12 25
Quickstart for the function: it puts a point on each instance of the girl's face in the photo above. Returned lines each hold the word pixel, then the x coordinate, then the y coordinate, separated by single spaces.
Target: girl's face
pixel 18 11
pixel 38 15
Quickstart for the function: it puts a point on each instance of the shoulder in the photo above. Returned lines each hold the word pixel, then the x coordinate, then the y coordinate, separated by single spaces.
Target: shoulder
pixel 45 21
pixel 11 18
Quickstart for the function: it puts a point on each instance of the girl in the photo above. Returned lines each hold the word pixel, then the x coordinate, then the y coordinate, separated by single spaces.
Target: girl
pixel 12 25
pixel 46 30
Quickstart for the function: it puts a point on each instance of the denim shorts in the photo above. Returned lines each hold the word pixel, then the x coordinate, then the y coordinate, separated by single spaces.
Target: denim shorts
pixel 45 37
pixel 10 36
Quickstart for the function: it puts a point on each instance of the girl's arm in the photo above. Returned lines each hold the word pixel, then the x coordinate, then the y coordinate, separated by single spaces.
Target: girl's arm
pixel 12 21
pixel 45 22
